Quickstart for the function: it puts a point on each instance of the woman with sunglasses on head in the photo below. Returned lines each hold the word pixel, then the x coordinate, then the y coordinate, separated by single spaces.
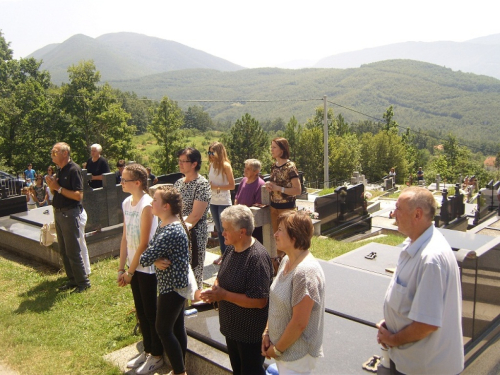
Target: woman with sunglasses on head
pixel 220 176
pixel 139 226
pixel 195 192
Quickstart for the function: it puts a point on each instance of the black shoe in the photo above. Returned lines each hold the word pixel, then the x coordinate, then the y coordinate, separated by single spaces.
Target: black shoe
pixel 80 289
pixel 65 287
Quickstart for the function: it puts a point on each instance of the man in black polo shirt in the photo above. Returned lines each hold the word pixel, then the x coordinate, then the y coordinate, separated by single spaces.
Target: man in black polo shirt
pixel 96 165
pixel 68 195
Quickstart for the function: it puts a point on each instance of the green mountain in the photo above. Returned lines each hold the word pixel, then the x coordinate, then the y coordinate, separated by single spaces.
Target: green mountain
pixel 425 96
pixel 479 56
pixel 125 56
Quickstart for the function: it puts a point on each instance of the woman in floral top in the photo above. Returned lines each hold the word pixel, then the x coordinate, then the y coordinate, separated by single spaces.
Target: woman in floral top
pixel 169 252
pixel 284 183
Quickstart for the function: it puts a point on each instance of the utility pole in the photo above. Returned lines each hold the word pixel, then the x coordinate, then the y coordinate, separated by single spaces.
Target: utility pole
pixel 325 141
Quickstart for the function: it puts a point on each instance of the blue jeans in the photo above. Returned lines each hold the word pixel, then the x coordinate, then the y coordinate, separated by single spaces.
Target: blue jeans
pixel 216 210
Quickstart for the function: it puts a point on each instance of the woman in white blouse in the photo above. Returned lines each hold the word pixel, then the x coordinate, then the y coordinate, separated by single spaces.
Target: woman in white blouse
pixel 220 176
pixel 294 332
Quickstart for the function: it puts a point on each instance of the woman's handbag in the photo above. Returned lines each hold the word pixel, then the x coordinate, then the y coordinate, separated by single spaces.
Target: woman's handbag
pixel 189 291
pixel 48 234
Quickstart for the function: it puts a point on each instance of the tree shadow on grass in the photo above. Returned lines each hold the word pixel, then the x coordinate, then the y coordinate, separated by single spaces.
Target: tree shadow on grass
pixel 41 298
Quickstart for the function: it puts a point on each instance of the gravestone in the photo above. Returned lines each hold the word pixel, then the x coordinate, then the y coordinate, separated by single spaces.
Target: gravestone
pixel 344 212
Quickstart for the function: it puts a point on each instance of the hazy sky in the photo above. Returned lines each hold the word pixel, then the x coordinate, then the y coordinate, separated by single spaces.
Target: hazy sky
pixel 251 33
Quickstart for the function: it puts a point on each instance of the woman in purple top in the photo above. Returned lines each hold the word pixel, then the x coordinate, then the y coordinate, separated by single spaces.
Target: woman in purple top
pixel 249 190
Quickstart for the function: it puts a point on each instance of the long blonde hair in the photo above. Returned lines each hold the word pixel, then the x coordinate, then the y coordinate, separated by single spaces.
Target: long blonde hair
pixel 220 156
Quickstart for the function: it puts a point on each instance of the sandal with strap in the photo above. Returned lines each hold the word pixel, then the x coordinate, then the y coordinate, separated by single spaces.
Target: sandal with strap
pixel 372 364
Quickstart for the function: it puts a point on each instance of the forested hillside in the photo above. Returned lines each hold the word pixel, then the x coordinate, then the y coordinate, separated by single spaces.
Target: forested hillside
pixel 125 56
pixel 424 96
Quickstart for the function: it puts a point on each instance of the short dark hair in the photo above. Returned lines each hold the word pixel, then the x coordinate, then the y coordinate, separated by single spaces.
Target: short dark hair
pixel 193 155
pixel 120 163
pixel 284 146
pixel 299 227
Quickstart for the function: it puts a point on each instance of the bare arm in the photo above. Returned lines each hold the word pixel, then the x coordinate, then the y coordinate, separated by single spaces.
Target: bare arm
pixel 123 257
pixel 199 208
pixel 415 331
pixel 217 294
pixel 297 325
pixel 296 189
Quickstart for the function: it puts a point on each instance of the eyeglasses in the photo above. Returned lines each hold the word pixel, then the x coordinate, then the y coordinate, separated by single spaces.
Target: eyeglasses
pixel 210 153
pixel 53 152
pixel 184 161
pixel 124 181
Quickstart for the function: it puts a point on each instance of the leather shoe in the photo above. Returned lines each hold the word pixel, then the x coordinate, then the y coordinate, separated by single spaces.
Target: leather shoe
pixel 65 287
pixel 80 289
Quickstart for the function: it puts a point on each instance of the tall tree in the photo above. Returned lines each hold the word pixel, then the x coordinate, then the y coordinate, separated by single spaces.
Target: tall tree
pixel 27 112
pixel 196 118
pixel 345 156
pixel 292 134
pixel 94 114
pixel 166 128
pixel 246 140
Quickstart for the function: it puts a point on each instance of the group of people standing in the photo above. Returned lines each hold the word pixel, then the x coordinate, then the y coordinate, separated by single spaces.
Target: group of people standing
pixel 36 191
pixel 263 312
pixel 259 318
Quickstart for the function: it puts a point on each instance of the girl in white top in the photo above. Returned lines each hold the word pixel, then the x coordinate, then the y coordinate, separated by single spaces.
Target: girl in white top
pixel 139 227
pixel 221 179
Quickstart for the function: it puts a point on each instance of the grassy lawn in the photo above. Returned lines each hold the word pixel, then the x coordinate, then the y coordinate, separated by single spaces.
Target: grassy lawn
pixel 326 248
pixel 49 332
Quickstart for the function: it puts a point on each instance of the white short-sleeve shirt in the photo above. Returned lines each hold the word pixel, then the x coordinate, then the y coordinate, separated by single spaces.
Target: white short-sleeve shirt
pixel 426 288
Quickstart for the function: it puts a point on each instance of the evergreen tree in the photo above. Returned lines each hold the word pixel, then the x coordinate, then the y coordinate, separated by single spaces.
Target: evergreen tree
pixel 246 140
pixel 166 128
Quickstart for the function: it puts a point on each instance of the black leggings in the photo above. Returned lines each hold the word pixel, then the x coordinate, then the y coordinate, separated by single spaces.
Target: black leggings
pixel 144 291
pixel 170 328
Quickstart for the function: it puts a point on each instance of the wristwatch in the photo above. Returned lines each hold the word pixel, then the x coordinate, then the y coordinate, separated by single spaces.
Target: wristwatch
pixel 59 190
pixel 277 352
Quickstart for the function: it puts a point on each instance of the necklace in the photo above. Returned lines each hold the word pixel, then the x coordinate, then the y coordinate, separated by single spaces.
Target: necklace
pixel 292 266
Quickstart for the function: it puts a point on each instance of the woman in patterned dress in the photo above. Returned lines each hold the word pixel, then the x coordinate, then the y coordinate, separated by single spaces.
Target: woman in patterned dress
pixel 284 182
pixel 242 291
pixel 195 191
pixel 170 244
pixel 294 333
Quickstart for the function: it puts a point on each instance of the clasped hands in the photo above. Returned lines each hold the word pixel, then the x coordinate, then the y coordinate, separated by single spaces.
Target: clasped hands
pixel 214 294
pixel 383 335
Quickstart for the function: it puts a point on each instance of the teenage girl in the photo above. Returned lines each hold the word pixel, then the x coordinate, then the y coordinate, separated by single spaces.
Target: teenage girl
pixel 139 227
pixel 169 251
pixel 221 179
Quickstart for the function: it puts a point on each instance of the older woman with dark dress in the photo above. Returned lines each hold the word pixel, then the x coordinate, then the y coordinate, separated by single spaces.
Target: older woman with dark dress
pixel 242 291
pixel 294 334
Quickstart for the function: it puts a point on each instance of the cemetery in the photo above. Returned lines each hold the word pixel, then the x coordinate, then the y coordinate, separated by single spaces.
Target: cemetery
pixel 356 282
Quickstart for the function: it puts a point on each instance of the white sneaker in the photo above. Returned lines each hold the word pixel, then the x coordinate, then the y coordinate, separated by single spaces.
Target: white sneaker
pixel 152 363
pixel 137 361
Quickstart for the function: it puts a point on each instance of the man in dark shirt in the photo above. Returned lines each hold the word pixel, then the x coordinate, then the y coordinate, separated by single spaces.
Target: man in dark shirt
pixel 96 165
pixel 118 174
pixel 67 186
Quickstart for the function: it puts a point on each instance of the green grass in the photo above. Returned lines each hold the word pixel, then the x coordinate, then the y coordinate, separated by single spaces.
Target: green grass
pixel 49 332
pixel 327 248
pixel 58 333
